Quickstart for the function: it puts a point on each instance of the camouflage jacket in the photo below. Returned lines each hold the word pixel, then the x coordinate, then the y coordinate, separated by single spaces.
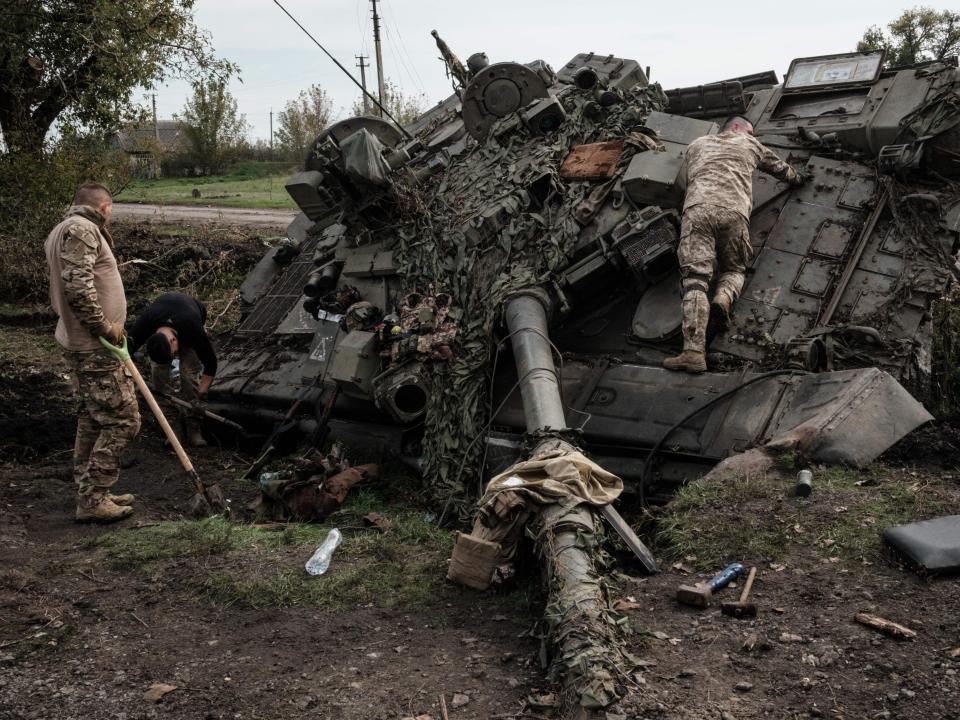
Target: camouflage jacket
pixel 719 170
pixel 85 286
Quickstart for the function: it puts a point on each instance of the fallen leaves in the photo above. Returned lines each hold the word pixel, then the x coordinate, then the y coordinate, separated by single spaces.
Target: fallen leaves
pixel 377 520
pixel 156 692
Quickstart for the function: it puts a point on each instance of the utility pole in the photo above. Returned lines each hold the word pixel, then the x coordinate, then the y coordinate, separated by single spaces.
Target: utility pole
pixel 156 127
pixel 363 81
pixel 376 43
pixel 271 133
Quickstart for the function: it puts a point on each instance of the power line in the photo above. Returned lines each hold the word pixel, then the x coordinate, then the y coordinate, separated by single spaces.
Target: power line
pixel 398 61
pixel 345 71
pixel 403 47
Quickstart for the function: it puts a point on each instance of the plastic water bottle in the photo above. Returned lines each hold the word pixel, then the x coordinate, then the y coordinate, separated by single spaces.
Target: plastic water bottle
pixel 267 478
pixel 320 560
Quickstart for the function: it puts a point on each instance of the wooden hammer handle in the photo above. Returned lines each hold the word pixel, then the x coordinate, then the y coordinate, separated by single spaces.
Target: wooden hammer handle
pixel 748 585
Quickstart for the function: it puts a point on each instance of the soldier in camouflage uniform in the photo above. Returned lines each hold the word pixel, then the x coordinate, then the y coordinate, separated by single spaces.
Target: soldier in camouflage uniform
pixel 87 293
pixel 715 230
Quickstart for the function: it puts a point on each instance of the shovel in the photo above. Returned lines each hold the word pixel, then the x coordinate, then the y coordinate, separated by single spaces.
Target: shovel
pixel 206 499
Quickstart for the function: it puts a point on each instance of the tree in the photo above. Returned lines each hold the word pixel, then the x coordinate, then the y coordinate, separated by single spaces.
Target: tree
pixel 405 109
pixel 301 120
pixel 77 63
pixel 212 124
pixel 917 35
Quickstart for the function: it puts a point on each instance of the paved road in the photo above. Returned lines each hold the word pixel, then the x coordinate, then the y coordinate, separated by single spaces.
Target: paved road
pixel 274 217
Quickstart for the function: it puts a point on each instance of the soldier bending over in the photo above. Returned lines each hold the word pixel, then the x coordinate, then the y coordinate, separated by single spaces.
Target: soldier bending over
pixel 715 229
pixel 173 327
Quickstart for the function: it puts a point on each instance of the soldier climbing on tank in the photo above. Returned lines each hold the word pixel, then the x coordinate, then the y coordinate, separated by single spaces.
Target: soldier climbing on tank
pixel 715 229
pixel 173 327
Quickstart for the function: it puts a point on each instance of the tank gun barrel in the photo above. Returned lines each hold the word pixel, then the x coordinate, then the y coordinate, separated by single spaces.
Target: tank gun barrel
pixel 453 63
pixel 526 319
pixel 576 597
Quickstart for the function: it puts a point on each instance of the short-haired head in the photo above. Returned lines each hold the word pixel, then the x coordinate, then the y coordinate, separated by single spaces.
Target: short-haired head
pixel 738 123
pixel 92 194
pixel 96 196
pixel 158 349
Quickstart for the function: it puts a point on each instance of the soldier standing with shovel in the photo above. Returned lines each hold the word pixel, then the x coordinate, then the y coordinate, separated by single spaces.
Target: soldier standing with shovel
pixel 86 292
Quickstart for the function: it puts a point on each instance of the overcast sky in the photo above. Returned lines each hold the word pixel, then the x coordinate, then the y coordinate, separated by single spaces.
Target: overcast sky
pixel 686 43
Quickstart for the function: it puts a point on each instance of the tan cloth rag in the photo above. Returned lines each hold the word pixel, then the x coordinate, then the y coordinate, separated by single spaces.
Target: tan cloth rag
pixel 567 477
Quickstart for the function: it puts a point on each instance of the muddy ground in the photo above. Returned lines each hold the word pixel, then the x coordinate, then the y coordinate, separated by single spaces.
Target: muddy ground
pixel 91 617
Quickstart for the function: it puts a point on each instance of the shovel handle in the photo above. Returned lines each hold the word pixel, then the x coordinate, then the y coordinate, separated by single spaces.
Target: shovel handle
pixel 120 352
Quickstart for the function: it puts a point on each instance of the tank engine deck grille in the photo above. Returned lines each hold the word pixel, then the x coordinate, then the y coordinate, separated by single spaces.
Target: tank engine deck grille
pixel 636 247
pixel 286 292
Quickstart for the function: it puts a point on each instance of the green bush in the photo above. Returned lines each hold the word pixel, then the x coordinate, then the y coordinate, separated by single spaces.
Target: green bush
pixel 35 193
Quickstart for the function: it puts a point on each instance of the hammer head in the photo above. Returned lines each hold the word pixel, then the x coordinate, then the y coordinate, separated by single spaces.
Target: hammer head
pixel 739 609
pixel 695 595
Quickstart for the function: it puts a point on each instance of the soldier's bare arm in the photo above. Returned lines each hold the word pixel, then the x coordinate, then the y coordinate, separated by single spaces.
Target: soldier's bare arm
pixel 78 253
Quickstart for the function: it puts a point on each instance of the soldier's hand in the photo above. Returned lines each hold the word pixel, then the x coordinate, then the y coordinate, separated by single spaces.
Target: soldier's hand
pixel 116 333
pixel 801 177
pixel 198 408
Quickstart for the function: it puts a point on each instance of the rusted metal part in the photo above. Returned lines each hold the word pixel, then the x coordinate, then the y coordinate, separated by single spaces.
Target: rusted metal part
pixel 596 161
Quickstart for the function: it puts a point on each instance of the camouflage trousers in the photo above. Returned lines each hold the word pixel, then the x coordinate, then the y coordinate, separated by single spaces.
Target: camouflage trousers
pixel 713 240
pixel 190 368
pixel 108 419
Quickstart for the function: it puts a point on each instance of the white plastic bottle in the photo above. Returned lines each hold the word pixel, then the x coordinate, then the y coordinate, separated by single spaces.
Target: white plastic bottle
pixel 320 560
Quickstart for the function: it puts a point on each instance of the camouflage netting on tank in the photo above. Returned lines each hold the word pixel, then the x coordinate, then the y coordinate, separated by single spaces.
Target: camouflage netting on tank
pixel 500 220
pixel 586 638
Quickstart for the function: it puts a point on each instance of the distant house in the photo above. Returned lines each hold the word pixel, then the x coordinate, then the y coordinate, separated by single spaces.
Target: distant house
pixel 145 144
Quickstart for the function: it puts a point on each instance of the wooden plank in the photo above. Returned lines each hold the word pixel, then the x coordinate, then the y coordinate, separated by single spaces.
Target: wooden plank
pixel 885 626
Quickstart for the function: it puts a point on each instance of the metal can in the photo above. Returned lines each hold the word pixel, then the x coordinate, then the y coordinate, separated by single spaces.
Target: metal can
pixel 804 483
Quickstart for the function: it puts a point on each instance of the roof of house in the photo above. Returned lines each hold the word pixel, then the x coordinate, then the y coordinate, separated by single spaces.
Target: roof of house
pixel 139 138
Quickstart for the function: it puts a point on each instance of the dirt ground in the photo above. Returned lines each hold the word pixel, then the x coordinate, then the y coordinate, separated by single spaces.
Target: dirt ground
pixel 91 617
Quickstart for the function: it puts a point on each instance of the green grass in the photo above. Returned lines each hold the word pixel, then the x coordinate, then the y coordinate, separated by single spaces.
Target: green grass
pixel 756 519
pixel 246 566
pixel 245 185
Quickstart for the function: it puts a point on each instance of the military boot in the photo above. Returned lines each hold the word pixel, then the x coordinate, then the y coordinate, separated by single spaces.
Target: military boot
pixel 689 360
pixel 100 508
pixel 696 313
pixel 194 436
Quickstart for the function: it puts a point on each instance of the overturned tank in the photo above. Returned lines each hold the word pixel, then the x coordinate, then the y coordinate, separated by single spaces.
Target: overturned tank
pixel 490 291
pixel 394 286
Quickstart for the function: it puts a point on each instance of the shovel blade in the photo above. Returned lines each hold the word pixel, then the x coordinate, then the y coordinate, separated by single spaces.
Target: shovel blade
pixel 215 498
pixel 198 506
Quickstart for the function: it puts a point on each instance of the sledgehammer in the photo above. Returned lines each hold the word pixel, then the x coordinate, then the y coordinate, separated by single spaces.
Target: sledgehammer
pixel 742 608
pixel 699 595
